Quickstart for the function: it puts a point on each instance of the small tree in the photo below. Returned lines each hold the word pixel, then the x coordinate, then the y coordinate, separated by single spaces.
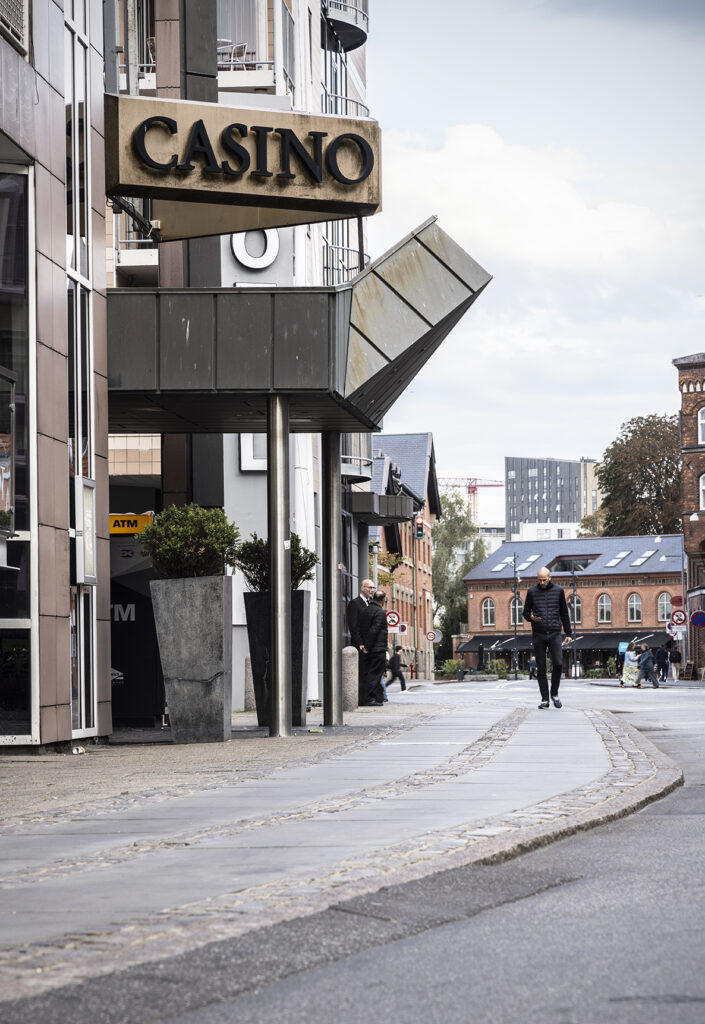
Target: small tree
pixel 640 477
pixel 188 540
pixel 253 562
pixel 453 534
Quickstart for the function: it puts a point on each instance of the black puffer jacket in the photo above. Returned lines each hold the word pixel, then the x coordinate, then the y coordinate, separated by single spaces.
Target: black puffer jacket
pixel 550 604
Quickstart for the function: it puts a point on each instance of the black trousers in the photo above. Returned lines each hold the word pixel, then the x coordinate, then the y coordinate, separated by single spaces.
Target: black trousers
pixel 373 667
pixel 400 676
pixel 552 643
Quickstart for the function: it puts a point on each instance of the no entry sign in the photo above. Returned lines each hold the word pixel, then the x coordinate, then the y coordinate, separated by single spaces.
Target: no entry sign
pixel 698 619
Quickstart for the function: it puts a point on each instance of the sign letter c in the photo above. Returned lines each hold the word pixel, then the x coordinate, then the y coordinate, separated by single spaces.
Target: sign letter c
pixel 138 142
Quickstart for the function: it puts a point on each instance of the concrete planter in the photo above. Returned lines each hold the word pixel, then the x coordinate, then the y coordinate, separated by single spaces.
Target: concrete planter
pixel 257 615
pixel 194 630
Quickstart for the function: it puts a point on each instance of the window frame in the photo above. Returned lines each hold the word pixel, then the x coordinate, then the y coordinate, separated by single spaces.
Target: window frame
pixel 634 603
pixel 488 611
pixel 669 606
pixel 701 425
pixel 604 609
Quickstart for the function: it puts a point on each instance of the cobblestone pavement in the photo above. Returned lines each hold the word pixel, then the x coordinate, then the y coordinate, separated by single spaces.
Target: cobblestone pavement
pixel 636 773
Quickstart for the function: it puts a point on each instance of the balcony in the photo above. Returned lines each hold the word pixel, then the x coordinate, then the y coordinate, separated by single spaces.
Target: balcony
pixel 135 255
pixel 349 19
pixel 356 457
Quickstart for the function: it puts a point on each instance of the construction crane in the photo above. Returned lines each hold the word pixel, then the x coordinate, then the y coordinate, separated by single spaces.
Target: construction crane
pixel 471 484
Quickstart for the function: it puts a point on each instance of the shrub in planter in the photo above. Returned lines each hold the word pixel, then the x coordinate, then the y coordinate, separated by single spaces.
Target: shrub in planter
pixel 252 560
pixel 187 540
pixel 190 547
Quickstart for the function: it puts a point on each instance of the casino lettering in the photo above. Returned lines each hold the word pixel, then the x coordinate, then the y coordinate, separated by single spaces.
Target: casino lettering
pixel 311 161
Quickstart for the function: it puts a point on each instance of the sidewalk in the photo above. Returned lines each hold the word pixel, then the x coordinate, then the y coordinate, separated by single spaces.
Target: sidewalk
pixel 164 849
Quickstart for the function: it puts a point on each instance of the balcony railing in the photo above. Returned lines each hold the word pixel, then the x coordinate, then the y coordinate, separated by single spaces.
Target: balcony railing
pixel 340 263
pixel 356 456
pixel 332 103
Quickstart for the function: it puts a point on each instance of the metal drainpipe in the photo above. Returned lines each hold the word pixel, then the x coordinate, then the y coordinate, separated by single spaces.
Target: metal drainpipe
pixel 279 563
pixel 332 598
pixel 416 631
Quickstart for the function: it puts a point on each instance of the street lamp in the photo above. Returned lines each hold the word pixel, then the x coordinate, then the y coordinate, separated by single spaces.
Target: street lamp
pixel 515 595
pixel 574 584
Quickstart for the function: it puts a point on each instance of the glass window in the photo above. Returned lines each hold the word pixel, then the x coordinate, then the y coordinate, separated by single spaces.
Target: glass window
pixel 664 607
pixel 488 612
pixel 702 491
pixel 701 425
pixel 517 607
pixel 634 608
pixel 15 690
pixel 575 606
pixel 15 586
pixel 604 608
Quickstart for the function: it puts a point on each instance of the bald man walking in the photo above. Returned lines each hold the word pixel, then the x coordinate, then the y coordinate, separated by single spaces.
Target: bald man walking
pixel 547 610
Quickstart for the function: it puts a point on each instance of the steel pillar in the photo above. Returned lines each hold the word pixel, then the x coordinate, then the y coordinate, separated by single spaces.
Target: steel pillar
pixel 332 597
pixel 279 563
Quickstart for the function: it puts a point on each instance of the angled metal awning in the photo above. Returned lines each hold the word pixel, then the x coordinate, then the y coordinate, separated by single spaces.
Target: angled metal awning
pixel 205 360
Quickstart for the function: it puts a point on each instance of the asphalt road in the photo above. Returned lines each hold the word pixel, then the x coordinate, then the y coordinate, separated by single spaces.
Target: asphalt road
pixel 607 926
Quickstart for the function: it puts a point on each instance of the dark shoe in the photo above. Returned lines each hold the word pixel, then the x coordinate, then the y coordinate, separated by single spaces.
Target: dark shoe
pixel 655 685
pixel 544 705
pixel 556 702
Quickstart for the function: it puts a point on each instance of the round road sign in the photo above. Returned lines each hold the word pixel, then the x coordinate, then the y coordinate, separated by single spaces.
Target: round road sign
pixel 698 618
pixel 393 618
pixel 431 635
pixel 678 617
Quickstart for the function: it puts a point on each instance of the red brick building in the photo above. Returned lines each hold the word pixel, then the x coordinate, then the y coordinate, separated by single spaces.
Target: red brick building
pixel 691 384
pixel 625 589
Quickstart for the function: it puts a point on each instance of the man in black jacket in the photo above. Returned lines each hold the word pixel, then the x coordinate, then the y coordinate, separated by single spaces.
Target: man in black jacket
pixel 547 609
pixel 373 627
pixel 353 613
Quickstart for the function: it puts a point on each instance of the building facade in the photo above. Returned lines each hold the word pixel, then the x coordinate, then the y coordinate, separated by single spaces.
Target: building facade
pixel 618 588
pixel 54 628
pixel 549 491
pixel 691 384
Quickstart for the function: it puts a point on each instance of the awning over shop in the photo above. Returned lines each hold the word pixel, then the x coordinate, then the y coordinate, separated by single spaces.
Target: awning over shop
pixel 499 642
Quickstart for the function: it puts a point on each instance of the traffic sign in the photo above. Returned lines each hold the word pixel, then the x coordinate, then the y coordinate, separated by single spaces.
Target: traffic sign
pixel 393 618
pixel 431 635
pixel 678 617
pixel 403 627
pixel 698 618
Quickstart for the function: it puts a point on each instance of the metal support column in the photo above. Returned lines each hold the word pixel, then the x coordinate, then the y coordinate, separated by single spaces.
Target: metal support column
pixel 279 563
pixel 332 598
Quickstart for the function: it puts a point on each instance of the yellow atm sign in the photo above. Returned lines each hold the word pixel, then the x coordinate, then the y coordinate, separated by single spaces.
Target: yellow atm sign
pixel 128 523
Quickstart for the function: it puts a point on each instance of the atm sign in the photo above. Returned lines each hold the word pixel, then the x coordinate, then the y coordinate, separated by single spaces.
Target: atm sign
pixel 127 523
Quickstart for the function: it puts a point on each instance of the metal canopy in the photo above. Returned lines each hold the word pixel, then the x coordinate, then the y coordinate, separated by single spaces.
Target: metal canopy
pixel 205 360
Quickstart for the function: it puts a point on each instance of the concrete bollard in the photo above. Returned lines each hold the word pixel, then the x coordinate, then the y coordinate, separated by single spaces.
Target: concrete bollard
pixel 249 686
pixel 350 678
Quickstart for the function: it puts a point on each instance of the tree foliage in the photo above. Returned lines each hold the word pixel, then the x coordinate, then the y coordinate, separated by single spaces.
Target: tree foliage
pixel 457 548
pixel 641 479
pixel 593 525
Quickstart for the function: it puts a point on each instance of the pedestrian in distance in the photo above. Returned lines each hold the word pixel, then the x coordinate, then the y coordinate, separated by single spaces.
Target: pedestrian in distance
pixel 547 610
pixel 532 667
pixel 661 663
pixel 646 667
pixel 675 658
pixel 395 667
pixel 373 629
pixel 353 613
pixel 630 671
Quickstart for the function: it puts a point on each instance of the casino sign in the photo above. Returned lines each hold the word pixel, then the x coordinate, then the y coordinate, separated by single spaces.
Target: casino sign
pixel 212 169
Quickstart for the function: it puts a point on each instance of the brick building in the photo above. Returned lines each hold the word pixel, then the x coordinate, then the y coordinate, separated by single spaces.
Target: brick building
pixel 406 463
pixel 625 588
pixel 691 384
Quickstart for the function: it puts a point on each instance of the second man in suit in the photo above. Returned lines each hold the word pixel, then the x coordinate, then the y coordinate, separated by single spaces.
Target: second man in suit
pixel 373 628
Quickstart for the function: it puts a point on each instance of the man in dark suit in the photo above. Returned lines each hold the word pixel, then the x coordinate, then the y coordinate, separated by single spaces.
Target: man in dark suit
pixel 353 613
pixel 373 627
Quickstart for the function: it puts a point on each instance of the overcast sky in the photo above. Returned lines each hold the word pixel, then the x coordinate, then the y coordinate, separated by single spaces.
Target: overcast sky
pixel 562 144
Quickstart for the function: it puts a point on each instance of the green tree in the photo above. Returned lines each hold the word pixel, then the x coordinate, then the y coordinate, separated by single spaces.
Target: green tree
pixel 457 548
pixel 593 525
pixel 641 479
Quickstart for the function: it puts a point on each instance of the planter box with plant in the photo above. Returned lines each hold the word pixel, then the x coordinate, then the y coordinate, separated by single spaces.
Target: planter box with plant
pixel 190 548
pixel 252 560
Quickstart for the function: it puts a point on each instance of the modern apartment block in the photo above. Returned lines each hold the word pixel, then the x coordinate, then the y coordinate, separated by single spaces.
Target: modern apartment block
pixel 54 623
pixel 549 491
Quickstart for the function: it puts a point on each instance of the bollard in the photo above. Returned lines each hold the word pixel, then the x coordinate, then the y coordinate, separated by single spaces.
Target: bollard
pixel 350 678
pixel 249 686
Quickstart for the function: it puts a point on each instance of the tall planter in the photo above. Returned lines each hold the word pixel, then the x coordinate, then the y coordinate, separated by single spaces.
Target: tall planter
pixel 258 635
pixel 193 618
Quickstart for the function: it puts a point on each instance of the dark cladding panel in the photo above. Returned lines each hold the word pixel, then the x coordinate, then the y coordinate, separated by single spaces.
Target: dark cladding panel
pixel 132 341
pixel 186 341
pixel 244 341
pixel 301 329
